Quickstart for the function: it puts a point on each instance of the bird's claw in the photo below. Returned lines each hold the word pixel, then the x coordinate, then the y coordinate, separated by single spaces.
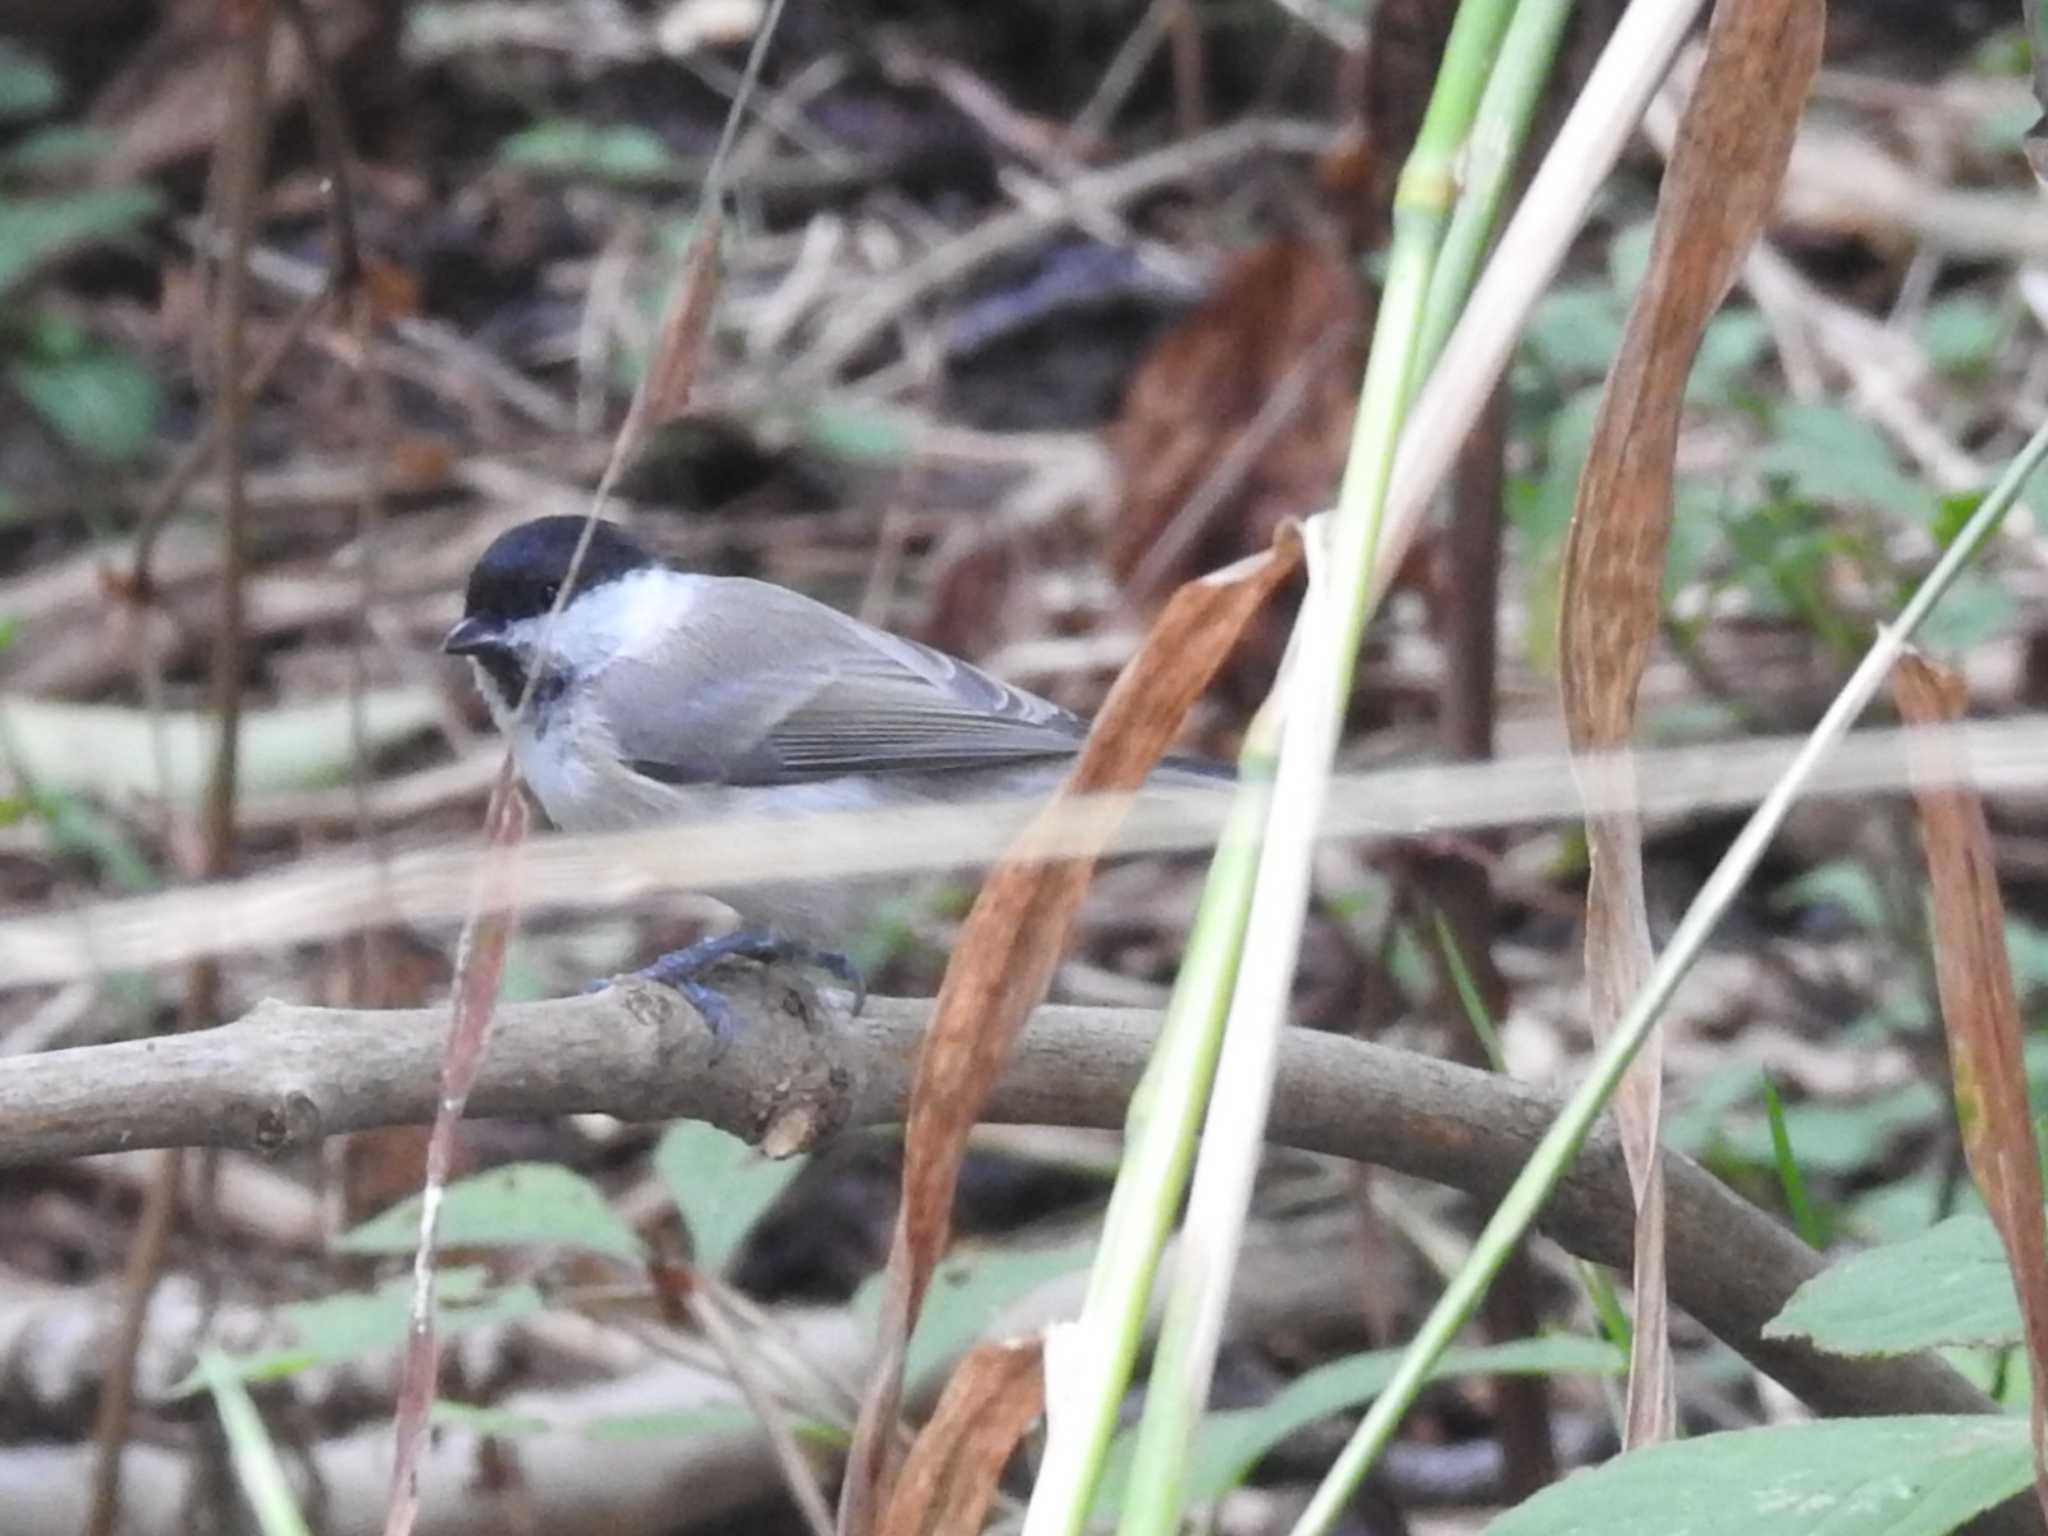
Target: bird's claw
pixel 683 969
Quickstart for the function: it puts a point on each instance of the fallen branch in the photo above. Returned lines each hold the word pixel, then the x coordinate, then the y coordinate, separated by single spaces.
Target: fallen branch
pixel 286 1076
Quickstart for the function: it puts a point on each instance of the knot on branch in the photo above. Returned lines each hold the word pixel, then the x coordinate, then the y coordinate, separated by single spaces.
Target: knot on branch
pixel 786 1080
pixel 289 1122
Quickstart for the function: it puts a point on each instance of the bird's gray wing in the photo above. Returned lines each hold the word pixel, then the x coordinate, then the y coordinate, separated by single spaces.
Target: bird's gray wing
pixel 765 686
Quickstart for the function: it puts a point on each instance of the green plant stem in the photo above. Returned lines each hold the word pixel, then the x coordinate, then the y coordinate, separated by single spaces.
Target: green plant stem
pixel 1501 129
pixel 1790 1179
pixel 250 1451
pixel 1160 1128
pixel 1311 701
pixel 1593 1280
pixel 1525 1197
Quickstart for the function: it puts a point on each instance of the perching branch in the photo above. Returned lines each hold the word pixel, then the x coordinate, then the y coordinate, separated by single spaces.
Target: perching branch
pixel 285 1076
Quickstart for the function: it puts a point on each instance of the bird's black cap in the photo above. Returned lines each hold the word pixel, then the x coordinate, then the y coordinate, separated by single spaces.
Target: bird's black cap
pixel 520 574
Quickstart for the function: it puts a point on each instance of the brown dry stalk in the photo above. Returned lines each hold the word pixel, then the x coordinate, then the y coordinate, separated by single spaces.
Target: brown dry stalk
pixel 1981 1013
pixel 1008 948
pixel 479 967
pixel 245 33
pixel 671 374
pixel 662 396
pixel 1722 181
pixel 950 1473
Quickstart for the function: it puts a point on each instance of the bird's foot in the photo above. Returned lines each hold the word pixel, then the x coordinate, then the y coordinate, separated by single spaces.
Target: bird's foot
pixel 683 969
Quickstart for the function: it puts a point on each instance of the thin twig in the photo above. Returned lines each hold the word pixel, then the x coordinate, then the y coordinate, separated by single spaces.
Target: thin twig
pixel 242 159
pixel 434 340
pixel 331 137
pixel 1119 78
pixel 864 321
pixel 798 1474
pixel 1469 603
pixel 199 452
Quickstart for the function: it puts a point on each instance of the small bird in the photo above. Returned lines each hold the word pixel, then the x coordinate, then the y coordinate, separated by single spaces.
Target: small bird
pixel 666 696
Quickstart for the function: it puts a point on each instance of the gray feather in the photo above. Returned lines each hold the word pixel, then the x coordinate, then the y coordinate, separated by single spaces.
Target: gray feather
pixel 766 687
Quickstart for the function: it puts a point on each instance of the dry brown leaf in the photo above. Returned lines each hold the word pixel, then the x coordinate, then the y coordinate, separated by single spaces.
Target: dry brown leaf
pixel 170 101
pixel 415 463
pixel 665 388
pixel 950 1475
pixel 1008 948
pixel 1979 1009
pixel 393 291
pixel 1284 315
pixel 1725 168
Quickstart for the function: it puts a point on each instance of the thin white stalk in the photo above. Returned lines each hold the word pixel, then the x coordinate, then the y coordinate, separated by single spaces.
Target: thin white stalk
pixel 1220 1196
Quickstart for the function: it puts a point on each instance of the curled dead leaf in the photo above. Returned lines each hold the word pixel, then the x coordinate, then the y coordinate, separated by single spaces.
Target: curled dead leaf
pixel 1980 1010
pixel 1722 182
pixel 949 1478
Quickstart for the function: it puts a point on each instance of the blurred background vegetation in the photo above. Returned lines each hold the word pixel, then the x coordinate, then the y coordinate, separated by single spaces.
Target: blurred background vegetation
pixel 1028 312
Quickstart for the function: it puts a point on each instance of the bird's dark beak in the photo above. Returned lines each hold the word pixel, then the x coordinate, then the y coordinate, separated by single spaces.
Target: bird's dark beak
pixel 471 637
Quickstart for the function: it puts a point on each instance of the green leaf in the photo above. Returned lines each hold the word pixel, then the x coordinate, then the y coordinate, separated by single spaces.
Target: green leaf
pixel 1828 454
pixel 1947 1285
pixel 968 1292
pixel 1543 510
pixel 857 434
pixel 2004 52
pixel 28 86
pixel 1964 333
pixel 689 1423
pixel 1628 257
pixel 672 1424
pixel 2003 129
pixel 100 401
pixel 517 1204
pixel 1576 330
pixel 655 1424
pixel 1836 1138
pixel 565 147
pixel 1733 343
pixel 58 148
pixel 1976 608
pixel 250 1451
pixel 720 1184
pixel 1790 1179
pixel 1698 522
pixel 80 829
pixel 1953 512
pixel 351 1324
pixel 2027 946
pixel 1920 1476
pixel 480 1420
pixel 1845 883
pixel 1228 1445
pixel 37 230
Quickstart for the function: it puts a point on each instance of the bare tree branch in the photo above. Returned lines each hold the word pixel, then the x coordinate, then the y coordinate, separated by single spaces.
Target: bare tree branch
pixel 285 1076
